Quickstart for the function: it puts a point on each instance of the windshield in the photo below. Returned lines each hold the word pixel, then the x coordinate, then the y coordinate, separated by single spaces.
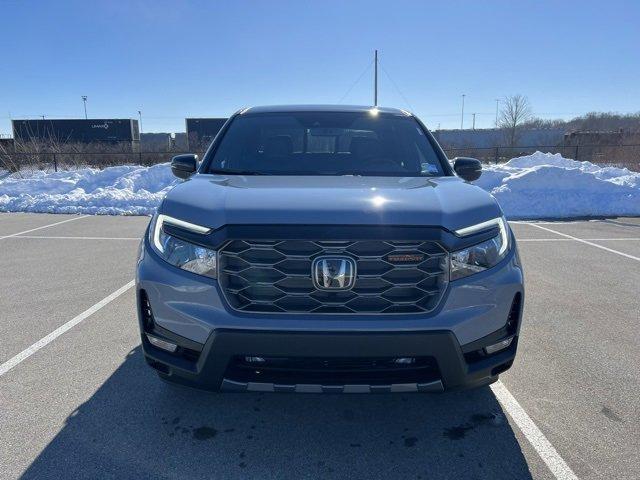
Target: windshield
pixel 325 143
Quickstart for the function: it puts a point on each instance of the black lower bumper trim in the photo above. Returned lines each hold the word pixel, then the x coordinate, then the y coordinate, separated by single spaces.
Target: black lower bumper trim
pixel 209 372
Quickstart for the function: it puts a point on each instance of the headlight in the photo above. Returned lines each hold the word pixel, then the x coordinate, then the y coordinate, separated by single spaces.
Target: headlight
pixel 478 258
pixel 185 255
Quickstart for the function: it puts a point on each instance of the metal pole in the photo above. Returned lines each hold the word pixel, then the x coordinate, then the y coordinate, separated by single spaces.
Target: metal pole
pixel 474 122
pixel 139 136
pixel 497 102
pixel 375 80
pixel 84 100
pixel 462 115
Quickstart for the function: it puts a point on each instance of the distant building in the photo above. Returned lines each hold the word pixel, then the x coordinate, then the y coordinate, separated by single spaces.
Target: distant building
pixel 201 131
pixel 111 130
pixel 492 137
pixel 599 146
pixel 593 138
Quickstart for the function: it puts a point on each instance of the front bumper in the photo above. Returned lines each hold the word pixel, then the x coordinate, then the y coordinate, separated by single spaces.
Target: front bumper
pixel 209 371
pixel 189 311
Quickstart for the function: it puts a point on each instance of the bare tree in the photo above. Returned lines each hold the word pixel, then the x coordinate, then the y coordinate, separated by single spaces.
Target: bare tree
pixel 515 111
pixel 7 160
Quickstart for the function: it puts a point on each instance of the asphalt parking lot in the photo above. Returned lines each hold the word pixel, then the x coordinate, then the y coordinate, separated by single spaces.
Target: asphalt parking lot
pixel 77 400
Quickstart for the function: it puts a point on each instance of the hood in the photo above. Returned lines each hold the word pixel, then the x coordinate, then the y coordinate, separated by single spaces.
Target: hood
pixel 214 201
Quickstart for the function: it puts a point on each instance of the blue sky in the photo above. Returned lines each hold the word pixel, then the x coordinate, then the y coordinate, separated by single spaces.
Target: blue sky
pixel 192 58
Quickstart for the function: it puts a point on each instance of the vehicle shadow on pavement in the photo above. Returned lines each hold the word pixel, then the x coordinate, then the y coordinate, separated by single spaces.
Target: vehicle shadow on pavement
pixel 136 426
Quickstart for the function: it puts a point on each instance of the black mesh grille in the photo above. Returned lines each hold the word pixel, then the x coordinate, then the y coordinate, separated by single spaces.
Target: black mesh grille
pixel 275 276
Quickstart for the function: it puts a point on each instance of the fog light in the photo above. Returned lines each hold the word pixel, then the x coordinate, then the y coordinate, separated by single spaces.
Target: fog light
pixel 164 345
pixel 404 360
pixel 254 359
pixel 496 347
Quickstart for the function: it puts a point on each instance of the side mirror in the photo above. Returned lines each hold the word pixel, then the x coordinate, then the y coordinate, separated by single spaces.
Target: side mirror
pixel 183 166
pixel 468 169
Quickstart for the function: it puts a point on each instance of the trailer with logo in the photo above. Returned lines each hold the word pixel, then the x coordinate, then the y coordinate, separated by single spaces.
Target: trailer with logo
pixel 122 131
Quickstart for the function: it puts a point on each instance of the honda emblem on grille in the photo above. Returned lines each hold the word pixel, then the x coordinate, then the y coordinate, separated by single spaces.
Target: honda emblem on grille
pixel 333 273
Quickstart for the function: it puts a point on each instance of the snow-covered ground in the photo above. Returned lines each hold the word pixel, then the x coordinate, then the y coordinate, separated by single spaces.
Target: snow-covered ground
pixel 544 185
pixel 125 190
pixel 536 186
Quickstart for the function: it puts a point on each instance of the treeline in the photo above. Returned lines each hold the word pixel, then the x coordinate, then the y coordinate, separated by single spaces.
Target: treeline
pixel 593 121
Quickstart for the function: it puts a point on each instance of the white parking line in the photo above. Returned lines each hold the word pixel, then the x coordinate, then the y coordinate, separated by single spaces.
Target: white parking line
pixel 44 226
pixel 533 434
pixel 44 341
pixel 45 237
pixel 586 242
pixel 552 222
pixel 520 240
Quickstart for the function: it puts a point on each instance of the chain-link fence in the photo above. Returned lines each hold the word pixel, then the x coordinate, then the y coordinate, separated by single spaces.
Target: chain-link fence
pixel 54 161
pixel 610 155
pixel 607 155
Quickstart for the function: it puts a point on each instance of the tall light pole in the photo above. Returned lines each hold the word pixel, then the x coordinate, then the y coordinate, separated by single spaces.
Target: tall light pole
pixel 140 121
pixel 462 115
pixel 375 79
pixel 497 103
pixel 84 100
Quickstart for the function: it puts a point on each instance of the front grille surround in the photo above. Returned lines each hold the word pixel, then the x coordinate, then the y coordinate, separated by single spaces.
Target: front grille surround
pixel 274 276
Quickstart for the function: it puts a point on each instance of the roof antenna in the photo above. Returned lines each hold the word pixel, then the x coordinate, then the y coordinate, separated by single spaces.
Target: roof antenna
pixel 375 80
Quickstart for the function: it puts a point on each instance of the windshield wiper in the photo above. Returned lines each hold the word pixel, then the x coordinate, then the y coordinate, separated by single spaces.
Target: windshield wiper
pixel 320 174
pixel 383 174
pixel 267 172
pixel 235 172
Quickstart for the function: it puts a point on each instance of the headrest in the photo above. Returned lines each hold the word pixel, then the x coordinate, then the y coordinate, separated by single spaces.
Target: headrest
pixel 365 147
pixel 278 145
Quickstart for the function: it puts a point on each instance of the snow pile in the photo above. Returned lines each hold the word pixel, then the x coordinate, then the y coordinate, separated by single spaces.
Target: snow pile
pixel 536 186
pixel 544 185
pixel 125 190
